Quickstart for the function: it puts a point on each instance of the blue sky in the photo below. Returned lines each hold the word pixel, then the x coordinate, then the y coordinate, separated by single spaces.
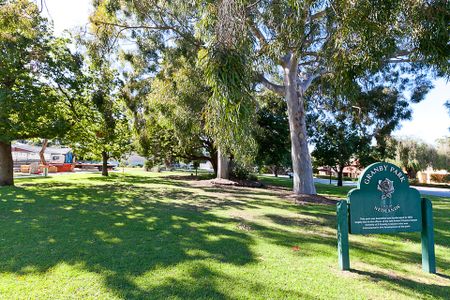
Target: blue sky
pixel 430 119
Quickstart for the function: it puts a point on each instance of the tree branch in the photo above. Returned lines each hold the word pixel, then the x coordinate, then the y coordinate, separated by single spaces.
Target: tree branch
pixel 318 15
pixel 148 27
pixel 258 34
pixel 305 83
pixel 278 89
pixel 250 6
pixel 125 26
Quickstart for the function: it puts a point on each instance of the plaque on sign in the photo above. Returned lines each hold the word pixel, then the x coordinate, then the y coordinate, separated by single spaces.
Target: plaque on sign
pixel 383 202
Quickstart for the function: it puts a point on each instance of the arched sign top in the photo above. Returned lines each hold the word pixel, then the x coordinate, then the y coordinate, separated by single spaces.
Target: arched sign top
pixel 383 175
pixel 383 202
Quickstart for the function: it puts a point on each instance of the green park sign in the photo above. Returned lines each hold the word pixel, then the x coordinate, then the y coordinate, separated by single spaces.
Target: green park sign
pixel 383 202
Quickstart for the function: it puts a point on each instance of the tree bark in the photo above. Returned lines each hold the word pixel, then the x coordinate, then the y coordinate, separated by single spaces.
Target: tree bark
pixel 105 158
pixel 301 159
pixel 411 173
pixel 41 153
pixel 275 171
pixel 6 164
pixel 214 160
pixel 339 173
pixel 223 168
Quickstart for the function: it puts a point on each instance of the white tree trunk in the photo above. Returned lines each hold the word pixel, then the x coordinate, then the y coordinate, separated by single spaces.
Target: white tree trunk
pixel 301 159
pixel 223 168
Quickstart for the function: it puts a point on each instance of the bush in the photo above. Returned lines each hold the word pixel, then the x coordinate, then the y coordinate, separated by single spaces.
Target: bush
pixel 240 172
pixel 148 165
pixel 440 178
pixel 252 177
pixel 264 170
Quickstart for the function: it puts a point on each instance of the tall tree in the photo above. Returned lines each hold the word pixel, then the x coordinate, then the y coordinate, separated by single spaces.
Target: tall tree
pixel 336 144
pixel 339 41
pixel 272 134
pixel 344 128
pixel 443 151
pixel 36 71
pixel 415 155
pixel 303 41
pixel 178 102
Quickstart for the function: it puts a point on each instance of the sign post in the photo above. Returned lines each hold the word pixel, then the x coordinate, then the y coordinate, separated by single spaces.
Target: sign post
pixel 428 256
pixel 342 229
pixel 383 202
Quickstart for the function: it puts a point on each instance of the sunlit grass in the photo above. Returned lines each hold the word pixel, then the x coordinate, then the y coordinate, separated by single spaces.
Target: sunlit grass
pixel 139 235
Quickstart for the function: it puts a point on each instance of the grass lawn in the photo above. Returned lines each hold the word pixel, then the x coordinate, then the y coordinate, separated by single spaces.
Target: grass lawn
pixel 145 236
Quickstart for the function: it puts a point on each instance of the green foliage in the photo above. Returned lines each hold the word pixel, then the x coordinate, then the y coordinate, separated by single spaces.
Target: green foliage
pixel 103 124
pixel 102 129
pixel 374 114
pixel 149 164
pixel 414 155
pixel 443 154
pixel 231 107
pixel 336 144
pixel 241 172
pixel 339 43
pixel 272 134
pixel 170 116
pixel 36 73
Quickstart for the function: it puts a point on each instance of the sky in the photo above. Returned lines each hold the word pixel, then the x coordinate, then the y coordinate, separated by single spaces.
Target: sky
pixel 430 119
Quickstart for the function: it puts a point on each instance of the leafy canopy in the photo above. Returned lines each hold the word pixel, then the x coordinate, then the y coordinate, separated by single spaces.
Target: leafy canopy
pixel 36 70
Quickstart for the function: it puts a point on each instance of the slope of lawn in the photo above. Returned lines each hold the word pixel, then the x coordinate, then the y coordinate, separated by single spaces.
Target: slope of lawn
pixel 145 236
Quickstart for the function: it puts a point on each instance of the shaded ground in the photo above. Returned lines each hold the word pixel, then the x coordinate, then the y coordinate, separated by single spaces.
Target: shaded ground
pixel 145 236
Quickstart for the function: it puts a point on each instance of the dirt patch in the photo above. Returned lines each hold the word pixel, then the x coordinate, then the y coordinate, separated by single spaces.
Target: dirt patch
pixel 218 182
pixel 235 182
pixel 300 220
pixel 183 177
pixel 244 227
pixel 306 199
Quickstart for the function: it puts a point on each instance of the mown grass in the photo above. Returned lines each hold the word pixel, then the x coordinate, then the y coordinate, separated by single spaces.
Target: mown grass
pixel 144 236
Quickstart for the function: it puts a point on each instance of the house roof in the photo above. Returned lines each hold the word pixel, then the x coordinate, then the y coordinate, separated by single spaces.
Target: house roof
pixel 19 147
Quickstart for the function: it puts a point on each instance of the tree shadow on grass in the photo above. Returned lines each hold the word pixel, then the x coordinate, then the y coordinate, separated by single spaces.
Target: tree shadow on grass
pixel 407 287
pixel 117 231
pixel 123 231
pixel 135 179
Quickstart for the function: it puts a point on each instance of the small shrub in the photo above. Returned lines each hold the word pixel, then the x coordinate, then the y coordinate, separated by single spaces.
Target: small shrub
pixel 264 170
pixel 240 172
pixel 440 178
pixel 252 177
pixel 148 165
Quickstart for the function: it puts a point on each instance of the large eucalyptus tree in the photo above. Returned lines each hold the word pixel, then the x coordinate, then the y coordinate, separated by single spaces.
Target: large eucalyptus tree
pixel 341 40
pixel 299 42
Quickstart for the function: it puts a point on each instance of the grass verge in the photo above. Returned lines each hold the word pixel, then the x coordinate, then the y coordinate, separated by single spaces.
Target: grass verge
pixel 146 236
